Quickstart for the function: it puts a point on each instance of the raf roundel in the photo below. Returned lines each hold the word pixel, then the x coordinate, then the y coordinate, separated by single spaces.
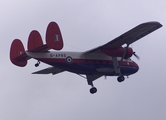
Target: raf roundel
pixel 69 59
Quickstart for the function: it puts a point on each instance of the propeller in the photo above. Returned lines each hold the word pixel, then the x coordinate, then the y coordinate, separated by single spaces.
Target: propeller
pixel 125 53
pixel 136 55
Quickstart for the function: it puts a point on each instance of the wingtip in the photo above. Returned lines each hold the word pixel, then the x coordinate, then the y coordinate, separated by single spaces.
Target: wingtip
pixel 154 23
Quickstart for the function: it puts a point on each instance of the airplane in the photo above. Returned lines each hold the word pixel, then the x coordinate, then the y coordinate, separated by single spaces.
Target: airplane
pixel 110 59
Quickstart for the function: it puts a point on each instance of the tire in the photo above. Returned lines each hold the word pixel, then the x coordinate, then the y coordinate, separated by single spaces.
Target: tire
pixel 121 78
pixel 93 90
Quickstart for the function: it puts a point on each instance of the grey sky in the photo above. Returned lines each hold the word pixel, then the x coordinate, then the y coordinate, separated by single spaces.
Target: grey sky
pixel 84 25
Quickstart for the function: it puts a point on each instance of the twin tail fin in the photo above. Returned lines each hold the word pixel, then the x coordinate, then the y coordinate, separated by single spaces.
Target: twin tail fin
pixel 17 53
pixel 54 41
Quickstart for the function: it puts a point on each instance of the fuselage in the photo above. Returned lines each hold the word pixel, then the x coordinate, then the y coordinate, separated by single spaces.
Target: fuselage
pixel 88 64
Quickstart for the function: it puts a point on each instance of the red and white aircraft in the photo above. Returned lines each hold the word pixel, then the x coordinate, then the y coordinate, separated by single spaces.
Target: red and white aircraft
pixel 110 59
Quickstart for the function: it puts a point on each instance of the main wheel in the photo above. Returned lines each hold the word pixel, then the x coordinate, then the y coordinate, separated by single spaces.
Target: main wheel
pixel 93 90
pixel 121 78
pixel 36 65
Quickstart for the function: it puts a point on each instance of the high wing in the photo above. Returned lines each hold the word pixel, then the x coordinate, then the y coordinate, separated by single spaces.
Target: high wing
pixel 131 36
pixel 49 70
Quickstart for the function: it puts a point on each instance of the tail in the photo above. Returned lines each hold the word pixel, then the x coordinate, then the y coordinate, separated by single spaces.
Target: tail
pixel 17 53
pixel 54 41
pixel 35 43
pixel 53 36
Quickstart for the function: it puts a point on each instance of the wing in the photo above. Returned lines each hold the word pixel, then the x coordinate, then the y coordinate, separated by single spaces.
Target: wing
pixel 131 36
pixel 49 70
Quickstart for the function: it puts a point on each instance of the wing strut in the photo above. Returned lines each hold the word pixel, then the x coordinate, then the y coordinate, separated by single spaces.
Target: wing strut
pixel 116 65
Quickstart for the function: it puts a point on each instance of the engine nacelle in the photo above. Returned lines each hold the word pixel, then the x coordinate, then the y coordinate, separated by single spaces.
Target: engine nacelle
pixel 118 52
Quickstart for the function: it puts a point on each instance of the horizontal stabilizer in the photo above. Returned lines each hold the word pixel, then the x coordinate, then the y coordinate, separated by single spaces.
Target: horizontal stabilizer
pixel 49 70
pixel 53 36
pixel 18 55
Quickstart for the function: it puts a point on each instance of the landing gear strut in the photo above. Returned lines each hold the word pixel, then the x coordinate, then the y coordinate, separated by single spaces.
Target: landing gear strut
pixel 37 64
pixel 90 79
pixel 93 89
pixel 121 78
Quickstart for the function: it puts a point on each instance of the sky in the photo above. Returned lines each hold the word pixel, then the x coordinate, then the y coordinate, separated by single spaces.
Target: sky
pixel 84 24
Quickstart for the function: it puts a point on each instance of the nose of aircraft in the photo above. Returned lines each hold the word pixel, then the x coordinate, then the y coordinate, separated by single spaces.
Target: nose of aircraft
pixel 135 67
pixel 130 68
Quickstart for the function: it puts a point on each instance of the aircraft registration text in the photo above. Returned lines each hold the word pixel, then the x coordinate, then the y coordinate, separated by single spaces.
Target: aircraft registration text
pixel 58 55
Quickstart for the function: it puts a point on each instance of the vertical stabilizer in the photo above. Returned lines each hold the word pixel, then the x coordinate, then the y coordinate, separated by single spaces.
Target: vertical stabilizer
pixel 53 36
pixel 17 53
pixel 34 40
pixel 35 43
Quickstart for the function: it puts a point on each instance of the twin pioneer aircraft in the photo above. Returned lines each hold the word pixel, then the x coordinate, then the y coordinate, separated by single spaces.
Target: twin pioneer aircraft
pixel 110 59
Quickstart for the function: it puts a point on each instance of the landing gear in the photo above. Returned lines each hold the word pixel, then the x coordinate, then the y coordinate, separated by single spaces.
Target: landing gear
pixel 37 64
pixel 121 78
pixel 93 90
pixel 90 82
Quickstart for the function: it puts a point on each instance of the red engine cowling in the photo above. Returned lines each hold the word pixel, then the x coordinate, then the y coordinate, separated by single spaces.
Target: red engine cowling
pixel 118 52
